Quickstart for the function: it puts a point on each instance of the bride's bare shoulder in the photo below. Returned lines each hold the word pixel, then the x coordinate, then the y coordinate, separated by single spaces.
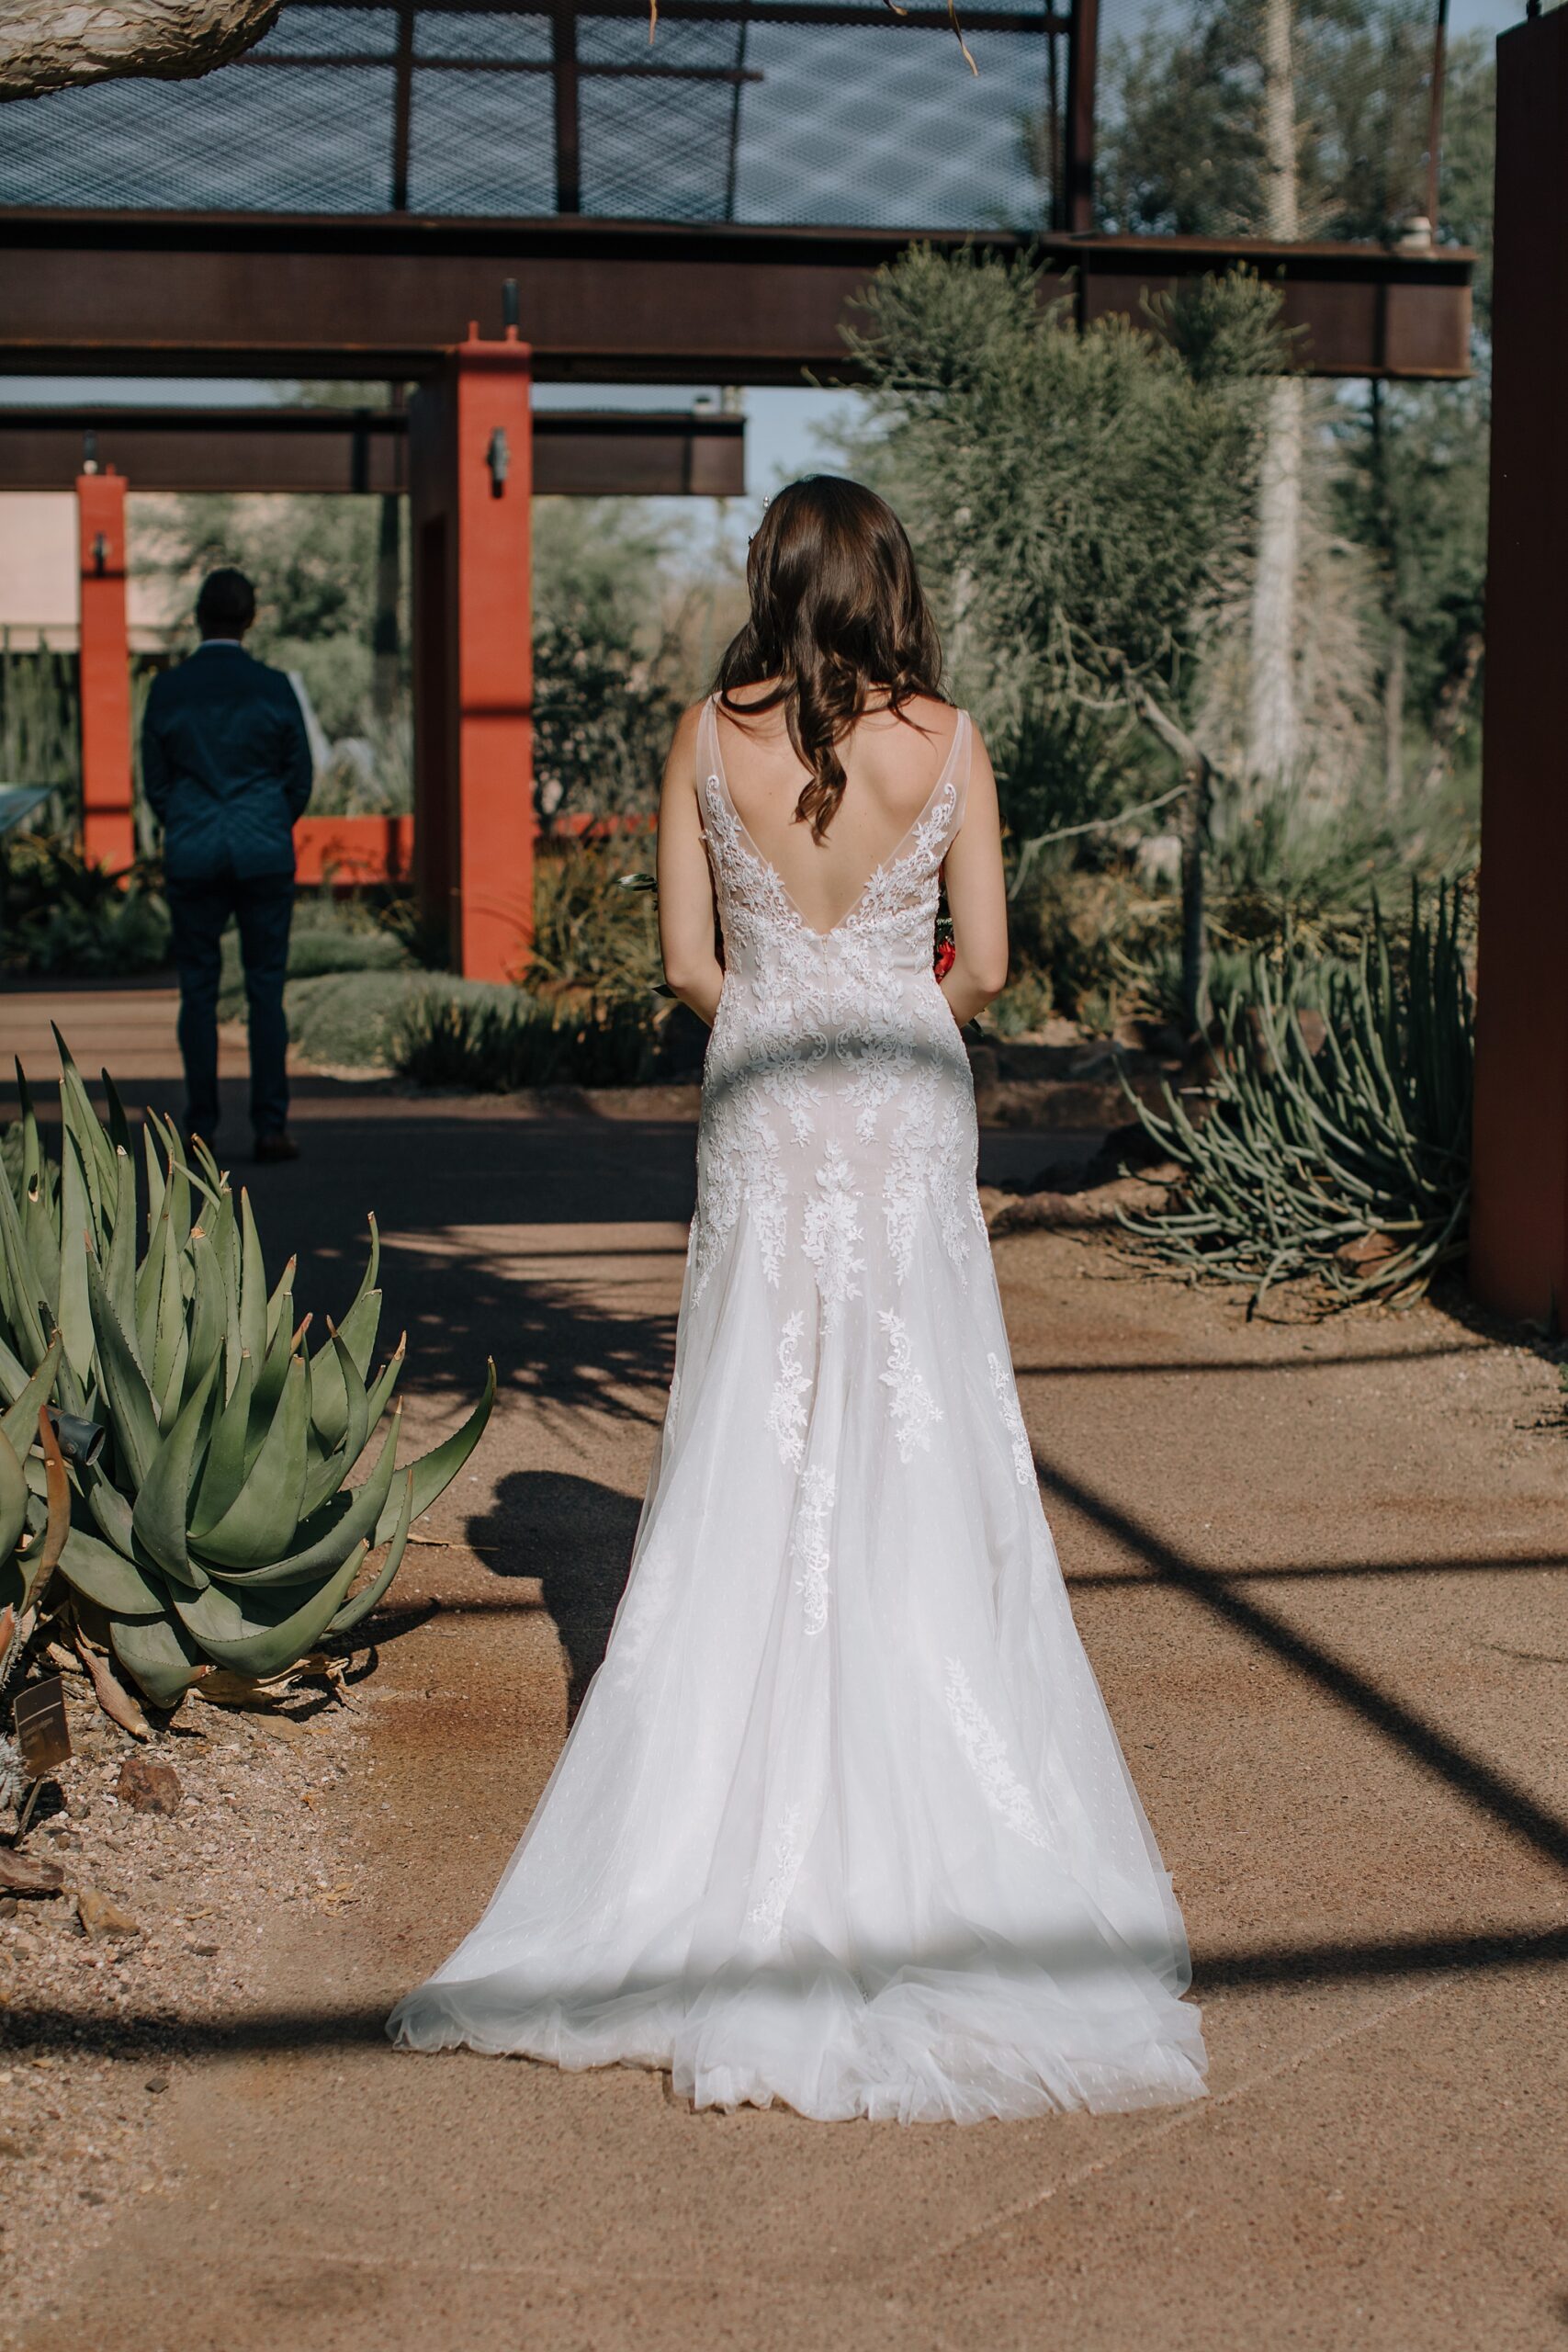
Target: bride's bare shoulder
pixel 931 715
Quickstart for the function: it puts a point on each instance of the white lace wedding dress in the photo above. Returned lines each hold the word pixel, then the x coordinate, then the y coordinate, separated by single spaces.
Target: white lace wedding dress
pixel 842 1820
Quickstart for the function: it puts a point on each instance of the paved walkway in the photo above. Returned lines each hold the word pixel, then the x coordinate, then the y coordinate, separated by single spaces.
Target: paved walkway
pixel 1319 1571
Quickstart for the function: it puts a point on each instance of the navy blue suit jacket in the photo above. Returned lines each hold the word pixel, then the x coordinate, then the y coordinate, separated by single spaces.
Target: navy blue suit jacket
pixel 225 765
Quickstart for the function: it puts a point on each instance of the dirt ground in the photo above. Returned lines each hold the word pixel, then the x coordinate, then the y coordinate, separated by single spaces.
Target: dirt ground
pixel 1319 1568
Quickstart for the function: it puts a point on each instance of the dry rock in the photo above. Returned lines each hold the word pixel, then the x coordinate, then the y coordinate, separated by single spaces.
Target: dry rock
pixel 148 1787
pixel 102 1917
pixel 21 1874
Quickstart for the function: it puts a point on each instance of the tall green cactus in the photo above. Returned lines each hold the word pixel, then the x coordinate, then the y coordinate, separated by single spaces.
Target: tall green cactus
pixel 219 1526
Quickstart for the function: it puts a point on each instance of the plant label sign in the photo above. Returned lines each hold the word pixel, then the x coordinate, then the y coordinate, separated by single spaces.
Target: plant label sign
pixel 43 1734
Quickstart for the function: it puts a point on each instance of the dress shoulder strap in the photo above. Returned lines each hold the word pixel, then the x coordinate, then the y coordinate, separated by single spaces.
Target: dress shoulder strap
pixel 959 762
pixel 707 740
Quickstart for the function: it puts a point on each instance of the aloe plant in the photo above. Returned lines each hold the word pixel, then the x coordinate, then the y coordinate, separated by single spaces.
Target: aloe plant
pixel 219 1526
pixel 1337 1138
pixel 35 1513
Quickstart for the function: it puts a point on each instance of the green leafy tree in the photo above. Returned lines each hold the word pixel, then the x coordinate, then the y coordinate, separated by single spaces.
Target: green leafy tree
pixel 1080 503
pixel 1183 150
pixel 313 564
pixel 1182 143
pixel 605 691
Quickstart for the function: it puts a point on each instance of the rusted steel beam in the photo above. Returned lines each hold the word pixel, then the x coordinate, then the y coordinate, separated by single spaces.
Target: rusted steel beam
pixel 384 297
pixel 578 453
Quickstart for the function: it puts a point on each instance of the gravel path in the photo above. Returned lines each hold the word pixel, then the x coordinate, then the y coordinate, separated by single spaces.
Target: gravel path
pixel 1319 1568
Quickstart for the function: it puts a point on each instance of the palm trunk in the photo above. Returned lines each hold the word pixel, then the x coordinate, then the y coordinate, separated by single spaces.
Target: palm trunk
pixel 1272 720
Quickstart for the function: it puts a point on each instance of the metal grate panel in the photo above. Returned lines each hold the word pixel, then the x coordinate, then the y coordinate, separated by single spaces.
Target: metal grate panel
pixel 480 144
pixel 307 139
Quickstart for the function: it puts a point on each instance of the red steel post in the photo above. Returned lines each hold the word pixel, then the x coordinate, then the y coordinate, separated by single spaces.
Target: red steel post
pixel 494 876
pixel 107 834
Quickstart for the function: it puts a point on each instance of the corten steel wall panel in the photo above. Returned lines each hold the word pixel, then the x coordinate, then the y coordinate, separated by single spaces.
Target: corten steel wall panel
pixel 107 834
pixel 352 850
pixel 385 297
pixel 495 659
pixel 1518 1253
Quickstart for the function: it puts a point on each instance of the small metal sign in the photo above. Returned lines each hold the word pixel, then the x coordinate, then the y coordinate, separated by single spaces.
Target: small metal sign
pixel 42 1734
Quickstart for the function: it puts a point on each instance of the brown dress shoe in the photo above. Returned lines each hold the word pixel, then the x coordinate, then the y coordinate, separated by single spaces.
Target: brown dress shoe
pixel 272 1149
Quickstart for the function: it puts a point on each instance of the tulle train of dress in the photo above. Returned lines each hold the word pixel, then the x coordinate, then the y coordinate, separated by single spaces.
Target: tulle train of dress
pixel 842 1820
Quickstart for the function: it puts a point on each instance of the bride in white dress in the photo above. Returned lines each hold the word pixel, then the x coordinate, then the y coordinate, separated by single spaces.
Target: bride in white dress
pixel 842 1820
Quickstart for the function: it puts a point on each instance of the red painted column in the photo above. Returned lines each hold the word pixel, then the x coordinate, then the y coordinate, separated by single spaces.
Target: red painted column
pixel 107 835
pixel 493 423
pixel 1519 1248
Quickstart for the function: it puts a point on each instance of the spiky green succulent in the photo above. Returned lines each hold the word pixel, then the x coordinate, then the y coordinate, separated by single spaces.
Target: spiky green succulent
pixel 34 1511
pixel 219 1526
pixel 1337 1141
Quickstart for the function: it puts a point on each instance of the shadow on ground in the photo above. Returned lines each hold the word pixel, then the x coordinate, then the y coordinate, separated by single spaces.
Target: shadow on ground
pixel 576 1537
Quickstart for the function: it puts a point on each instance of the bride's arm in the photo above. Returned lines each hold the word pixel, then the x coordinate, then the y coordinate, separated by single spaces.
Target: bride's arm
pixel 977 898
pixel 685 882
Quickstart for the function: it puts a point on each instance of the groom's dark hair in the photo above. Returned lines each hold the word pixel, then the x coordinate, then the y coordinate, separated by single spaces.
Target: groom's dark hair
pixel 227 604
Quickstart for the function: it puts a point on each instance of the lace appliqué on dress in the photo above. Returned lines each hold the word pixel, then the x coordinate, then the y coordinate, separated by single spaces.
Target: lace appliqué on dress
pixel 786 1408
pixel 811 1551
pixel 913 1408
pixel 1012 1418
pixel 833 1228
pixel 767 1912
pixel 985 1751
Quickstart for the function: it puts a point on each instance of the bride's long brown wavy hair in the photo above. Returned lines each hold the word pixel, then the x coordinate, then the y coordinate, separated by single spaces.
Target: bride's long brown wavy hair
pixel 839 619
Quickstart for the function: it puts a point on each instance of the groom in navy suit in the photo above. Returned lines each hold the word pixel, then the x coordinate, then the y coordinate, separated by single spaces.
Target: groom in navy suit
pixel 226 767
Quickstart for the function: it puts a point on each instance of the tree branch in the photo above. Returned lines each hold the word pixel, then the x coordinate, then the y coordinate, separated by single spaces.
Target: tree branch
pixel 53 45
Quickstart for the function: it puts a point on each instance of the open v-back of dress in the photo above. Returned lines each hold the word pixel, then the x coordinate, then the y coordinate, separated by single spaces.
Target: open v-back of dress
pixel 842 1820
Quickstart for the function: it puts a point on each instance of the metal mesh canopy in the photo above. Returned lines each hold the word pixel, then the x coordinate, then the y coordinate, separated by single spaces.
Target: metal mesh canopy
pixel 810 114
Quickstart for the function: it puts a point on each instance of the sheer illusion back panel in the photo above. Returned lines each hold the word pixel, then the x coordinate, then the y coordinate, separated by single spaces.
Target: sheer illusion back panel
pixel 842 1820
pixel 885 799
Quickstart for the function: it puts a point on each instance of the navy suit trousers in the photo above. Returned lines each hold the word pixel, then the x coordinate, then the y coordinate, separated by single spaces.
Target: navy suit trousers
pixel 263 905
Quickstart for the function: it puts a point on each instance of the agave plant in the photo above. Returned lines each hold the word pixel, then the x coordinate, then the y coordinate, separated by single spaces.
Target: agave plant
pixel 33 1525
pixel 217 1526
pixel 1336 1142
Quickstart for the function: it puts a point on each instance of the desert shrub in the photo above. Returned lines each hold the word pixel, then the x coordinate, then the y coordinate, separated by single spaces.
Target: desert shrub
pixel 317 947
pixel 591 931
pixel 1027 1002
pixel 58 914
pixel 1083 935
pixel 40 736
pixel 506 1038
pixel 348 1018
